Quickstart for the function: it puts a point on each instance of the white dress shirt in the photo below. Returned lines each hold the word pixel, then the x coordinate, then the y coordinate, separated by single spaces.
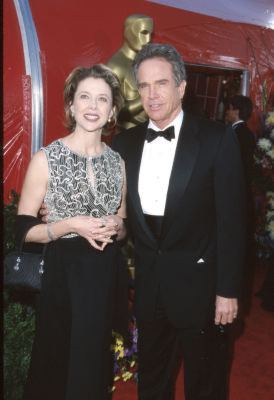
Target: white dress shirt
pixel 156 165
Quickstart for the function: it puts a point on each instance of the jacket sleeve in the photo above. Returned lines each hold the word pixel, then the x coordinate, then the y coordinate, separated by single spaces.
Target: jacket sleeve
pixel 230 215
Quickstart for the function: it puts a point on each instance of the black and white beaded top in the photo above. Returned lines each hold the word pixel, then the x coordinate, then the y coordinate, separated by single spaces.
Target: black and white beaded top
pixel 82 185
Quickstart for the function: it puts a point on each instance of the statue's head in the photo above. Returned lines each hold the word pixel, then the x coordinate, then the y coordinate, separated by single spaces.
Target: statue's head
pixel 138 31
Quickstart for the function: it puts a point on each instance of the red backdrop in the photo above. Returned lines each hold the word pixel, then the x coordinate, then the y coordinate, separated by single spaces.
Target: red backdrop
pixel 87 32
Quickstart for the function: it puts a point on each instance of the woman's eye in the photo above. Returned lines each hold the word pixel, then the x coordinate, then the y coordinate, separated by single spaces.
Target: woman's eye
pixel 103 99
pixel 83 96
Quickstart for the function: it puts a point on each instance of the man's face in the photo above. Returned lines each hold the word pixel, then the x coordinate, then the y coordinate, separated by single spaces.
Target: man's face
pixel 231 115
pixel 160 96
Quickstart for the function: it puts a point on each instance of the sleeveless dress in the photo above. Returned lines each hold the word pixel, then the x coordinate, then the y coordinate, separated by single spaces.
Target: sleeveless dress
pixel 71 353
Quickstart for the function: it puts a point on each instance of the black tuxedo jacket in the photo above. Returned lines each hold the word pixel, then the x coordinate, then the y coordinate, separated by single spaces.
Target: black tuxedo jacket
pixel 203 221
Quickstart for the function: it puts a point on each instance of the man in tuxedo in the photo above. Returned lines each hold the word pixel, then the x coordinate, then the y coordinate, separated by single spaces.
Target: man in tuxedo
pixel 186 216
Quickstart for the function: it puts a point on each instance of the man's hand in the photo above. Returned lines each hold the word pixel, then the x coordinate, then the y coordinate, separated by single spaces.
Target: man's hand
pixel 43 212
pixel 226 310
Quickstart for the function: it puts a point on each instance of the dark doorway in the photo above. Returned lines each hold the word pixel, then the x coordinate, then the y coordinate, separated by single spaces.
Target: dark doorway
pixel 208 90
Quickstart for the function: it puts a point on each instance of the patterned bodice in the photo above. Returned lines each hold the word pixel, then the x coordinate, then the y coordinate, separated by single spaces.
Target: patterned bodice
pixel 80 185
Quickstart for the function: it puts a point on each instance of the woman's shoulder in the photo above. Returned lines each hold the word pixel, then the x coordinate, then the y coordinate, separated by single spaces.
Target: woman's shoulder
pixel 116 158
pixel 112 153
pixel 38 157
pixel 56 144
pixel 38 163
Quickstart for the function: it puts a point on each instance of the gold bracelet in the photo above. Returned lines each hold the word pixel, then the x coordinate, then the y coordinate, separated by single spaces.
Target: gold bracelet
pixel 50 233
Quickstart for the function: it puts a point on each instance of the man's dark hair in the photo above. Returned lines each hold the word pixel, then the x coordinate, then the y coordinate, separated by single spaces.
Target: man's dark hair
pixel 243 104
pixel 166 51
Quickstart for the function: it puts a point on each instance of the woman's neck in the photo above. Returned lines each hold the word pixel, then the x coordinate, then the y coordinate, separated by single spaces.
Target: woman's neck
pixel 86 143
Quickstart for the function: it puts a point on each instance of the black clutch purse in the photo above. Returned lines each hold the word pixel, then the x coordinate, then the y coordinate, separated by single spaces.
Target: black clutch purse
pixel 23 270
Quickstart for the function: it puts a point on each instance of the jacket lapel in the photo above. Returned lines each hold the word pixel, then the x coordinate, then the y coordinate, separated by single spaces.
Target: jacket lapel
pixel 184 162
pixel 133 167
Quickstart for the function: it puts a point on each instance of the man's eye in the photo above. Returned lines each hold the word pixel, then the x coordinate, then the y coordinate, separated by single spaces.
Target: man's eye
pixel 142 86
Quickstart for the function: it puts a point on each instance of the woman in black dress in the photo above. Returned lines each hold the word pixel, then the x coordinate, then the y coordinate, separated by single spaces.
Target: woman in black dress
pixel 82 182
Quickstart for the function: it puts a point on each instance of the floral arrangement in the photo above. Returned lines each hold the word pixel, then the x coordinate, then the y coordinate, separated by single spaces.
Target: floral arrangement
pixel 264 155
pixel 270 216
pixel 264 189
pixel 125 355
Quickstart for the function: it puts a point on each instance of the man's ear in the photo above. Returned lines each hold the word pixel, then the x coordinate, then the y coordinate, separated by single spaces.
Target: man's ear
pixel 182 88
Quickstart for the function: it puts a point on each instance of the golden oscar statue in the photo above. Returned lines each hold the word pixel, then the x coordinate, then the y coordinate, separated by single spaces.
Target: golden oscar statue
pixel 137 32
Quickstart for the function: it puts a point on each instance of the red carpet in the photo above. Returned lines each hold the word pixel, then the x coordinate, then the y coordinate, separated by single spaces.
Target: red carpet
pixel 252 374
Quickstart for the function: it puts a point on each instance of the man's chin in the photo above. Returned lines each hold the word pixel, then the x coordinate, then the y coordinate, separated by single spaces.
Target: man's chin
pixel 155 114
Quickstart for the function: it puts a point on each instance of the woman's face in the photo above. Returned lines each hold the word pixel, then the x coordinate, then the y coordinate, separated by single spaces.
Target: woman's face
pixel 92 104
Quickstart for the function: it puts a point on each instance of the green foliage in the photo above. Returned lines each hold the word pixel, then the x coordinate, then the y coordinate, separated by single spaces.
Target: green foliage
pixel 19 326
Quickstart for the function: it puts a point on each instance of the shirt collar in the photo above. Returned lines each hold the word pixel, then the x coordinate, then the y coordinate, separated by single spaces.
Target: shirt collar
pixel 177 123
pixel 240 121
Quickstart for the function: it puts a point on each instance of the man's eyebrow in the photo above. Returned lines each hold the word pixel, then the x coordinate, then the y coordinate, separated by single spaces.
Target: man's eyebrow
pixel 158 81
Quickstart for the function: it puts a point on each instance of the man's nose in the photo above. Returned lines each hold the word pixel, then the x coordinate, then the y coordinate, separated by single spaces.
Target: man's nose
pixel 153 92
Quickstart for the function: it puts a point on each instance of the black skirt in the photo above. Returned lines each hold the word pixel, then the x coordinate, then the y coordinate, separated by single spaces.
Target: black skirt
pixel 83 292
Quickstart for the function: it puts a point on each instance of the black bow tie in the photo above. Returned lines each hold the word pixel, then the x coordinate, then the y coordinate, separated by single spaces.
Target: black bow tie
pixel 168 134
